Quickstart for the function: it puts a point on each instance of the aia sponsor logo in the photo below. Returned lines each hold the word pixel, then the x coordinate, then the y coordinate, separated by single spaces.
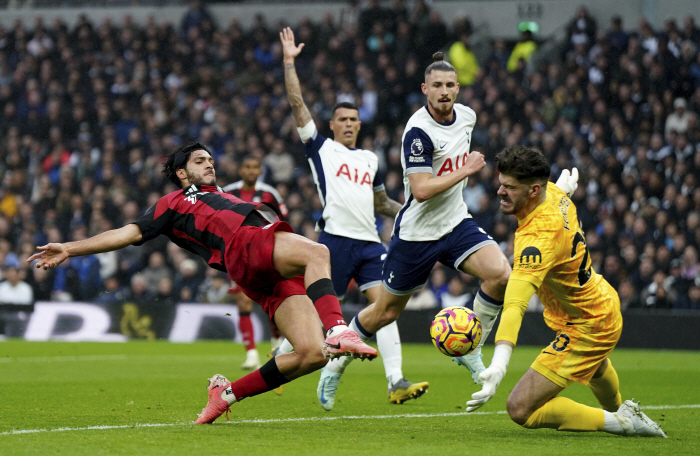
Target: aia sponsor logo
pixel 353 175
pixel 453 164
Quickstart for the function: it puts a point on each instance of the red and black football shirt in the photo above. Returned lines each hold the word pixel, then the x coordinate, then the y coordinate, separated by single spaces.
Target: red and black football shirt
pixel 201 219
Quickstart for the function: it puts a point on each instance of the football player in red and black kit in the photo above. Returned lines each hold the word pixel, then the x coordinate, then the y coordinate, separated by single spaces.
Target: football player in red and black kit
pixel 287 274
pixel 253 191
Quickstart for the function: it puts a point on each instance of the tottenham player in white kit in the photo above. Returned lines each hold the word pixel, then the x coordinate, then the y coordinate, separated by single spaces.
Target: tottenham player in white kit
pixel 434 223
pixel 350 189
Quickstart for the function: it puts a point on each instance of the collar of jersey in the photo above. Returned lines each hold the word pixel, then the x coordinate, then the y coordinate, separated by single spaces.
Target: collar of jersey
pixel 194 188
pixel 533 214
pixel 444 124
pixel 348 148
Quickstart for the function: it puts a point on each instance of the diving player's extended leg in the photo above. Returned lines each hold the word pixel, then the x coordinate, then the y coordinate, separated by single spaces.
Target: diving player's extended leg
pixel 297 319
pixel 295 255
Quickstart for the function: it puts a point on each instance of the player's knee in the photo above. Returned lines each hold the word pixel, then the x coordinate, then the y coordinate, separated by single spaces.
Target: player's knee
pixel 319 253
pixel 518 411
pixel 310 358
pixel 499 278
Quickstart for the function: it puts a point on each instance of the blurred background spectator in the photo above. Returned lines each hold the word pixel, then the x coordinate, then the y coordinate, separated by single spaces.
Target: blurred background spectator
pixel 90 111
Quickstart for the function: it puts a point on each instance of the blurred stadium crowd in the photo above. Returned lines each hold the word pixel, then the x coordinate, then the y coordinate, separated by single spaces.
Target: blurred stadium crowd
pixel 89 112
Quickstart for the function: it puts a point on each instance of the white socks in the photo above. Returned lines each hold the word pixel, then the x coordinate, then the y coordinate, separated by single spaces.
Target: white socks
pixel 285 347
pixel 338 365
pixel 335 330
pixel 616 423
pixel 487 313
pixel 389 345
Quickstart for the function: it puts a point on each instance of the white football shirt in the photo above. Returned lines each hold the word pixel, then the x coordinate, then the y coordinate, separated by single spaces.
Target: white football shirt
pixel 346 180
pixel 438 148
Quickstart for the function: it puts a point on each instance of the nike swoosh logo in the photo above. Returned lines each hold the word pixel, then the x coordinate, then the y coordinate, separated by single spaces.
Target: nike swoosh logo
pixel 323 387
pixel 549 353
pixel 442 146
pixel 336 346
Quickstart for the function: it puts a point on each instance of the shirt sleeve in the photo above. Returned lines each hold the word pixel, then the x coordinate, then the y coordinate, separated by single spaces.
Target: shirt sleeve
pixel 313 145
pixel 154 221
pixel 378 183
pixel 534 255
pixel 515 302
pixel 418 151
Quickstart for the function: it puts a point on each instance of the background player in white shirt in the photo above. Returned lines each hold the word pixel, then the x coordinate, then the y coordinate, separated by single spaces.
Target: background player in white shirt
pixel 434 223
pixel 350 189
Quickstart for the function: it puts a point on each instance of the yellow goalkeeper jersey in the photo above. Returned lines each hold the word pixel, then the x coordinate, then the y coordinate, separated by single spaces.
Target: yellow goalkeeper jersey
pixel 550 253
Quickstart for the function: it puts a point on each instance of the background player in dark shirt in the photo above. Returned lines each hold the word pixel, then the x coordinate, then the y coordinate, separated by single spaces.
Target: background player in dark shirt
pixel 275 267
pixel 250 189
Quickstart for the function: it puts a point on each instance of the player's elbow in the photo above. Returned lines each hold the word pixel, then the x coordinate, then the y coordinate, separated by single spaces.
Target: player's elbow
pixel 421 195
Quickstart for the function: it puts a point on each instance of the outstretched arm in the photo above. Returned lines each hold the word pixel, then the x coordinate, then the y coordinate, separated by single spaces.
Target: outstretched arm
pixel 51 255
pixel 518 294
pixel 385 205
pixel 302 116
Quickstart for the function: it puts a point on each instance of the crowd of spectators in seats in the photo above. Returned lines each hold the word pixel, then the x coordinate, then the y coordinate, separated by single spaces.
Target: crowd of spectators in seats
pixel 87 114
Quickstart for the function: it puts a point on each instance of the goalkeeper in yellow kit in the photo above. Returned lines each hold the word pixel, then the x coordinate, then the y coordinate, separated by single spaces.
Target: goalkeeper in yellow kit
pixel 551 259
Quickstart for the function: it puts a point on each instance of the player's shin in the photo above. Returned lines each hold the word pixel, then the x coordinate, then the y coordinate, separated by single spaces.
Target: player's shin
pixel 356 326
pixel 389 345
pixel 563 414
pixel 267 378
pixel 486 309
pixel 606 389
pixel 327 306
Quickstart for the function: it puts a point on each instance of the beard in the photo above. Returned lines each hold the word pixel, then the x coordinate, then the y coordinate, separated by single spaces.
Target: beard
pixel 198 179
pixel 515 206
pixel 444 111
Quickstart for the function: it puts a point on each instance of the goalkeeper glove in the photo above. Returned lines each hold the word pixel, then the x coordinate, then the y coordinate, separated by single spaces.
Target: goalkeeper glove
pixel 491 377
pixel 568 181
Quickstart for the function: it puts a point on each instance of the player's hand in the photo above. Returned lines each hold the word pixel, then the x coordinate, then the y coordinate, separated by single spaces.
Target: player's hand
pixel 49 256
pixel 475 161
pixel 568 181
pixel 490 379
pixel 289 48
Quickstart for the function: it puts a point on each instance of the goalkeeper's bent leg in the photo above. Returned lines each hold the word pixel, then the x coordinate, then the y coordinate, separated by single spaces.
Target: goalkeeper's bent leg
pixel 606 389
pixel 563 414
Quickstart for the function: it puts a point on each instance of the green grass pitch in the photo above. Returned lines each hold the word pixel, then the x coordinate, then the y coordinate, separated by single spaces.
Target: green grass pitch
pixel 138 398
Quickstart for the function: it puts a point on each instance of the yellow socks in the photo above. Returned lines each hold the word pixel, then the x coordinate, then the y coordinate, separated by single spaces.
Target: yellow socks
pixel 564 414
pixel 607 389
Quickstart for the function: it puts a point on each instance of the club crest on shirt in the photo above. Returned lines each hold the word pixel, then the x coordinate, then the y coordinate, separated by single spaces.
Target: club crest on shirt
pixel 530 258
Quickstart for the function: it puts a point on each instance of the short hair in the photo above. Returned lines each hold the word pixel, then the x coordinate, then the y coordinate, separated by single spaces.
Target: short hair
pixel 526 164
pixel 251 157
pixel 439 64
pixel 344 104
pixel 178 159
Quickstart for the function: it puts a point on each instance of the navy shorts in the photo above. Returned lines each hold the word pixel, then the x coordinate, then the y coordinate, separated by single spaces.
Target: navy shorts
pixel 353 259
pixel 408 264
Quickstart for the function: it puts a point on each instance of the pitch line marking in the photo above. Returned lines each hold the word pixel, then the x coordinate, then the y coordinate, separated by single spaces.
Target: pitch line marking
pixel 293 420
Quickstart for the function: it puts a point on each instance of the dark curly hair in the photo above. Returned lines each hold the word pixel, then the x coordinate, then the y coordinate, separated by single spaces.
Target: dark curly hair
pixel 178 160
pixel 526 164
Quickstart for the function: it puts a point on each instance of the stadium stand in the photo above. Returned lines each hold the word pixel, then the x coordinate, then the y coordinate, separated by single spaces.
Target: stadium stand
pixel 90 111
